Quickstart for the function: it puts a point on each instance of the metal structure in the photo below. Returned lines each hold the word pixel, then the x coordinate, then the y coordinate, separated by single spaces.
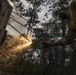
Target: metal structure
pixel 5 15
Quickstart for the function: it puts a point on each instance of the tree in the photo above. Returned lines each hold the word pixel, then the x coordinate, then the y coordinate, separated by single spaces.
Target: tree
pixel 38 58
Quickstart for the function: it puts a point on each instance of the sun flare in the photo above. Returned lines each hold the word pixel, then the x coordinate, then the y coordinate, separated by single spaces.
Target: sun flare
pixel 23 43
pixel 14 49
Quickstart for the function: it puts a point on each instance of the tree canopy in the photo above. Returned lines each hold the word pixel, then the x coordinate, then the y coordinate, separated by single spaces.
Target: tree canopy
pixel 37 60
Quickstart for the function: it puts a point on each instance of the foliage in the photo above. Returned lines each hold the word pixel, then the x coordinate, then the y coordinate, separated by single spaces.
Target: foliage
pixel 61 60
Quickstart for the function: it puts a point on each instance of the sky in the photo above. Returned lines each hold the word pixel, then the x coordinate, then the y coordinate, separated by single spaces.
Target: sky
pixel 20 28
pixel 11 31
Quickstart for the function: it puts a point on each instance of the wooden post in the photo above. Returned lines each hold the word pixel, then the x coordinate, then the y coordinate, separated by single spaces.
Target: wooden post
pixel 5 13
